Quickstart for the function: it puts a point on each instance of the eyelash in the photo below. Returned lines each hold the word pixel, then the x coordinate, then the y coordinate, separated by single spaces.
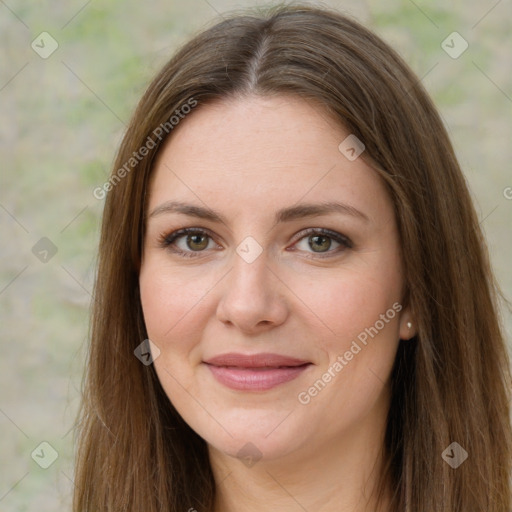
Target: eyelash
pixel 167 240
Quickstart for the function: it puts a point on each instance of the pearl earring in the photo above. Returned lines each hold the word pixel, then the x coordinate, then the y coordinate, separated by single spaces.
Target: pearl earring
pixel 409 325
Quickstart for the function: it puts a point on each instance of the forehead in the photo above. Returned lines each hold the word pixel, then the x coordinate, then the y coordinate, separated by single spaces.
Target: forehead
pixel 231 130
pixel 262 152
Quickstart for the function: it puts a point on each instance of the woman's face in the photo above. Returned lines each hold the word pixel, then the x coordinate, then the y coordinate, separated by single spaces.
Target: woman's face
pixel 277 317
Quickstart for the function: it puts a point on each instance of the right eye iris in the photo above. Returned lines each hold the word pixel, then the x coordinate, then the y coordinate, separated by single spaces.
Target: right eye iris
pixel 197 242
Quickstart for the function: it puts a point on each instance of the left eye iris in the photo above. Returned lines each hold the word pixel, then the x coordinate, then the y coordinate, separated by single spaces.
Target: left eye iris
pixel 321 242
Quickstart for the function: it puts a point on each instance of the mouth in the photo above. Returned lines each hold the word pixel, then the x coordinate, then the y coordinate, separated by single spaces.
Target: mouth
pixel 258 372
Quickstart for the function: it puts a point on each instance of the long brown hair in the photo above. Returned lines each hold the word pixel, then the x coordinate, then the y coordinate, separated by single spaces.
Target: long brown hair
pixel 449 384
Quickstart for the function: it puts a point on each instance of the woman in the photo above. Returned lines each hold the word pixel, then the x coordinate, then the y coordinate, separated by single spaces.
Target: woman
pixel 288 224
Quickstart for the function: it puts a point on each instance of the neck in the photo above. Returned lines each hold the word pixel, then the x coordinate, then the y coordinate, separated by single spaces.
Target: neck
pixel 339 476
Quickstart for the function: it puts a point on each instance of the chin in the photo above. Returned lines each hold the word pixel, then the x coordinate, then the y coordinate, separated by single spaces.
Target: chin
pixel 254 434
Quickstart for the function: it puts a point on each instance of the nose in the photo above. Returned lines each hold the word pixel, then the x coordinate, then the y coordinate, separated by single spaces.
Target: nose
pixel 253 296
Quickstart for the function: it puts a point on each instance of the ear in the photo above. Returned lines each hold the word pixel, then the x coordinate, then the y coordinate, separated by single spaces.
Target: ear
pixel 408 327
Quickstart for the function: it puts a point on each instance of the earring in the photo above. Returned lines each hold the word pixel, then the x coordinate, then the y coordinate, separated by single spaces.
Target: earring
pixel 409 325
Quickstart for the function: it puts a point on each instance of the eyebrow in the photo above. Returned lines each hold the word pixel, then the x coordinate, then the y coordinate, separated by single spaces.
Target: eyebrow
pixel 288 214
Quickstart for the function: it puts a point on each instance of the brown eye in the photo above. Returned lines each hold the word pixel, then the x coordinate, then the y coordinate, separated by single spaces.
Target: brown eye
pixel 187 242
pixel 197 242
pixel 320 243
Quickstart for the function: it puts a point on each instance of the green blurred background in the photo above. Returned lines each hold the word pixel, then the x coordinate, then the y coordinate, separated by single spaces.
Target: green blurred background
pixel 63 117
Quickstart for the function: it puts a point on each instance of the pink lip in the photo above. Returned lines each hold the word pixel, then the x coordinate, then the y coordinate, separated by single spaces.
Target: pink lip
pixel 258 372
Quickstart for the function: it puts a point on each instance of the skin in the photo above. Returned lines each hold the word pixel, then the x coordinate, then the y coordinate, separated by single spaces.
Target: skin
pixel 247 158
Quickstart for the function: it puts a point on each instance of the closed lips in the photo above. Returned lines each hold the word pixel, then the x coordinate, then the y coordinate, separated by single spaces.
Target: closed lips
pixel 263 360
pixel 259 372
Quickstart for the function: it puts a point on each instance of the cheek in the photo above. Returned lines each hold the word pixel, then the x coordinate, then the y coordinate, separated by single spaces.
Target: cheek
pixel 173 305
pixel 352 301
pixel 360 308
